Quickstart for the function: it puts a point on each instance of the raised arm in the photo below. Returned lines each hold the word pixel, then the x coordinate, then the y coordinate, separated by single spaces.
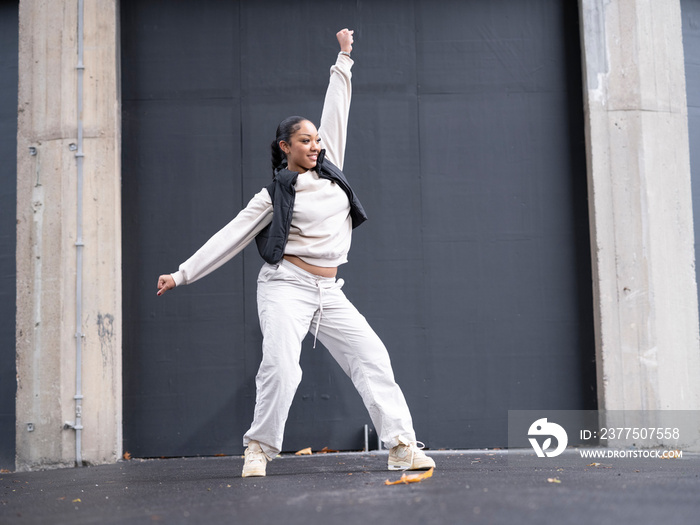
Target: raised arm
pixel 336 106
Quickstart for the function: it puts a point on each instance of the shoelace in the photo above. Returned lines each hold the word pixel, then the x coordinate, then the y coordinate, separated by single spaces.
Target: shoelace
pixel 413 447
pixel 255 454
pixel 256 460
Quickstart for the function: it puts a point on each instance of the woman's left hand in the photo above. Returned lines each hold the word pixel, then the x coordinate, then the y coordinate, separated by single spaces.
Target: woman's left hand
pixel 345 39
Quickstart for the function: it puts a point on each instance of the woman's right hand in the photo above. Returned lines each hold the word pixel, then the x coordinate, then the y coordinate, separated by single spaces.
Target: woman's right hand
pixel 165 283
pixel 345 39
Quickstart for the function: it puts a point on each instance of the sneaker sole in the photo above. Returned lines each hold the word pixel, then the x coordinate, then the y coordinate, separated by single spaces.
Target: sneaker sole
pixel 254 474
pixel 409 467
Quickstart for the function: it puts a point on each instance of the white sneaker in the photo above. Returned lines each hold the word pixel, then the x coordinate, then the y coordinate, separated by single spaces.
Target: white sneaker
pixel 407 455
pixel 255 460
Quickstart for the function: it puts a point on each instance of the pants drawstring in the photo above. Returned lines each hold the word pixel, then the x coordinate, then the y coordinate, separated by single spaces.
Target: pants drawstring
pixel 320 311
pixel 324 285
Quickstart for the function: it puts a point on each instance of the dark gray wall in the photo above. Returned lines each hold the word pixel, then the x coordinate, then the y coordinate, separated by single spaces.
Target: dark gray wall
pixel 466 146
pixel 9 23
pixel 690 10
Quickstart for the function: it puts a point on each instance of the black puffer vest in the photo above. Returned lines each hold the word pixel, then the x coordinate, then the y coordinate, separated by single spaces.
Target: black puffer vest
pixel 273 239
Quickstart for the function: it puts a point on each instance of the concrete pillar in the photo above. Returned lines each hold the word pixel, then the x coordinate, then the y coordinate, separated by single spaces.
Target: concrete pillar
pixel 648 353
pixel 46 235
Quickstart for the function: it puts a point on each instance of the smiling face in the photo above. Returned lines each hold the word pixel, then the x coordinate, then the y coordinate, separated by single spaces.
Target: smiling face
pixel 303 148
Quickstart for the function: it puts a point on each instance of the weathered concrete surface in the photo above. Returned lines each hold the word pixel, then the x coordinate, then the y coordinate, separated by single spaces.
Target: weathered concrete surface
pixel 642 239
pixel 47 234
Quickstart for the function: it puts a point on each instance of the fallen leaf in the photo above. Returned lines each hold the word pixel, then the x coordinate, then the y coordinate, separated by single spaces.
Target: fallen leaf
pixel 77 500
pixel 304 452
pixel 326 450
pixel 219 455
pixel 4 471
pixel 127 456
pixel 599 465
pixel 553 480
pixel 411 478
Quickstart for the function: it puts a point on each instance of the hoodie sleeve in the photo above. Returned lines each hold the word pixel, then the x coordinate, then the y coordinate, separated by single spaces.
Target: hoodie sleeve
pixel 228 241
pixel 336 107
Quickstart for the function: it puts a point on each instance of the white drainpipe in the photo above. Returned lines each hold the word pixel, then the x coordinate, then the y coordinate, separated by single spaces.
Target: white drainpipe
pixel 78 426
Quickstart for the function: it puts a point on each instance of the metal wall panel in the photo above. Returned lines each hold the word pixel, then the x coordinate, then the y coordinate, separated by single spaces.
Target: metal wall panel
pixel 9 27
pixel 466 146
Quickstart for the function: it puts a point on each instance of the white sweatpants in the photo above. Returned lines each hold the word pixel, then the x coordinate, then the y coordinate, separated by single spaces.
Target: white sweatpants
pixel 292 302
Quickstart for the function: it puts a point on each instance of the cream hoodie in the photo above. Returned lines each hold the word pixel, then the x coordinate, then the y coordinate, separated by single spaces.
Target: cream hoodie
pixel 321 228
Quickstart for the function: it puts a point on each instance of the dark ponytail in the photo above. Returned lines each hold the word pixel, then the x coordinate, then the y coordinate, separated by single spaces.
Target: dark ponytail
pixel 285 130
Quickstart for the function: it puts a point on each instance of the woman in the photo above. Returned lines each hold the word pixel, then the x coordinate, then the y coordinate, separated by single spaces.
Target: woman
pixel 303 223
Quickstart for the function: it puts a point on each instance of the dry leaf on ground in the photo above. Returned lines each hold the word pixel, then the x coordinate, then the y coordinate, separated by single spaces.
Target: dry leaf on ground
pixel 411 478
pixel 304 452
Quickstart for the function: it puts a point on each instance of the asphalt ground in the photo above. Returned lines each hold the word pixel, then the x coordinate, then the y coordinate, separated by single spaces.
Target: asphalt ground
pixel 470 486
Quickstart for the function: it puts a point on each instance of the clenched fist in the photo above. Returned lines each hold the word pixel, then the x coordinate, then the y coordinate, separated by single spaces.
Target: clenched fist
pixel 345 39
